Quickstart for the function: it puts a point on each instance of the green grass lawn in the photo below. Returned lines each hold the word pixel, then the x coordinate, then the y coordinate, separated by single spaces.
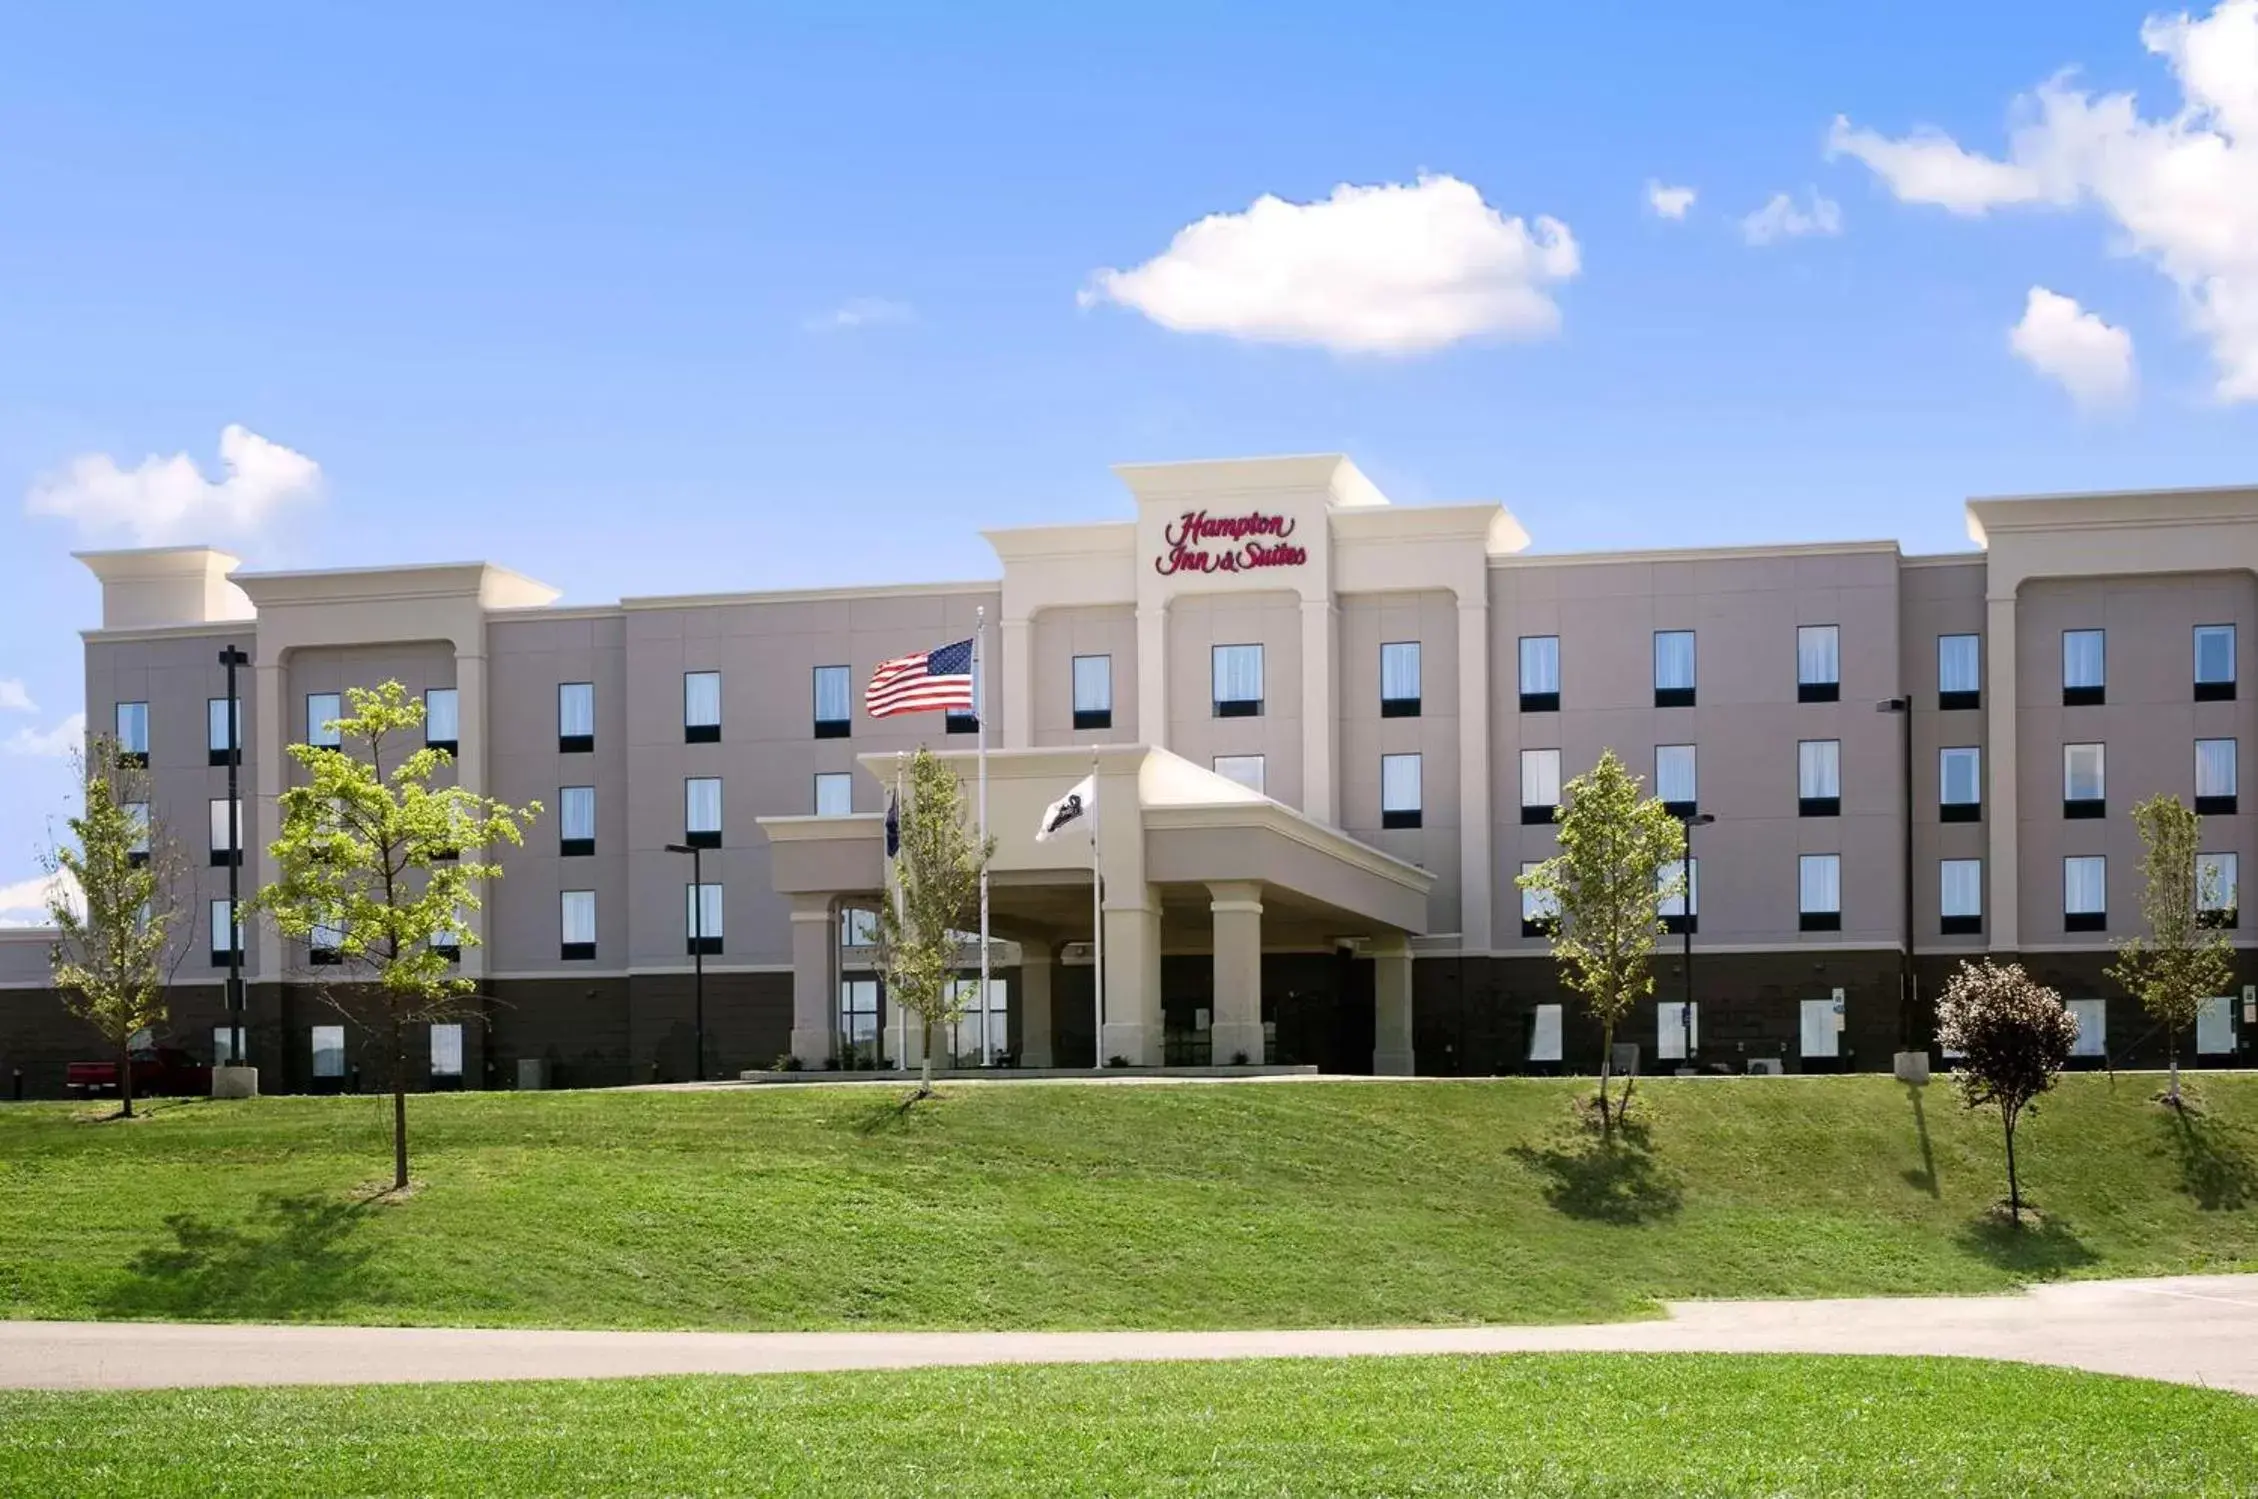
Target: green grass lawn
pixel 1281 1204
pixel 1553 1426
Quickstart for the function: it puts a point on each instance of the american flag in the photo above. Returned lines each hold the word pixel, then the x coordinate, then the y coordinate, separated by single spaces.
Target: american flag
pixel 938 678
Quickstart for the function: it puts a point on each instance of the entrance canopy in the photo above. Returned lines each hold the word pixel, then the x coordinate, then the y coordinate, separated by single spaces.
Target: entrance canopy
pixel 1192 862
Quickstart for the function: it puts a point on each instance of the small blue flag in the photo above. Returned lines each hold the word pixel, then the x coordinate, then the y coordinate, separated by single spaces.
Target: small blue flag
pixel 893 824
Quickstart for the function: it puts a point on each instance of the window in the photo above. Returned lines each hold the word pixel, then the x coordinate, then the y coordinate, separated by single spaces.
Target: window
pixel 1238 681
pixel 1818 778
pixel 576 925
pixel 576 821
pixel 2083 793
pixel 1819 882
pixel 1540 673
pixel 447 941
pixel 1681 910
pixel 701 811
pixel 1093 692
pixel 137 813
pixel 576 718
pixel 223 1046
pixel 2092 1016
pixel 1821 1028
pixel 325 944
pixel 227 933
pixel 1399 679
pixel 1544 1033
pixel 1399 791
pixel 858 927
pixel 323 709
pixel 858 1020
pixel 1539 908
pixel 442 719
pixel 2214 663
pixel 1540 784
pixel 1673 668
pixel 1960 784
pixel 223 727
pixel 1961 896
pixel 227 824
pixel 701 918
pixel 701 707
pixel 1959 671
pixel 2084 654
pixel 2085 893
pixel 329 1051
pixel 1818 663
pixel 834 702
pixel 2214 777
pixel 834 793
pixel 1677 1030
pixel 447 1051
pixel 1245 769
pixel 980 1033
pixel 2214 1027
pixel 2218 894
pixel 133 733
pixel 1676 780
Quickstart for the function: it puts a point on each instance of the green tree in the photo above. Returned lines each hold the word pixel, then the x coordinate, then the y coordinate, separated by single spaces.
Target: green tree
pixel 111 960
pixel 2013 1035
pixel 1605 890
pixel 937 895
pixel 384 861
pixel 2183 961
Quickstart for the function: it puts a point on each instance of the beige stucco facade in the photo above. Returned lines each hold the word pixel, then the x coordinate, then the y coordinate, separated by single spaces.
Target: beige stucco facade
pixel 1305 559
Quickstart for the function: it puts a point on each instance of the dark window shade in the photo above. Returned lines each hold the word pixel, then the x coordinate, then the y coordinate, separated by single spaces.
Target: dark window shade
pixel 1673 697
pixel 1818 806
pixel 1820 921
pixel 2084 697
pixel 834 728
pixel 2214 692
pixel 576 744
pixel 1961 926
pixel 575 848
pixel 1947 701
pixel 1818 692
pixel 1540 702
pixel 1238 707
pixel 1410 819
pixel 2084 809
pixel 1960 812
pixel 1093 718
pixel 2085 921
pixel 576 952
pixel 1399 707
pixel 701 733
pixel 2215 806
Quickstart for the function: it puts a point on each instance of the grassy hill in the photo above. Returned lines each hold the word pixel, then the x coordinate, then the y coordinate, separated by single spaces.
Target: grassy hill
pixel 1282 1204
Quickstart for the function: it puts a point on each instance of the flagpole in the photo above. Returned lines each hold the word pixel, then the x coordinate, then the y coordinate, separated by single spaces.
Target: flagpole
pixel 901 915
pixel 980 712
pixel 1097 924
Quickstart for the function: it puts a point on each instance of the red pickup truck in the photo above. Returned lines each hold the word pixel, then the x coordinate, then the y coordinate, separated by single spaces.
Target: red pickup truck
pixel 158 1072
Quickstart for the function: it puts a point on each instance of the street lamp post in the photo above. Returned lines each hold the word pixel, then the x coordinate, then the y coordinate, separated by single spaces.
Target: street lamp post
pixel 697 947
pixel 1692 820
pixel 232 657
pixel 1912 1045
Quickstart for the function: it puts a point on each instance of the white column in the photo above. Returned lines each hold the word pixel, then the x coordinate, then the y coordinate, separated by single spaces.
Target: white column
pixel 1016 676
pixel 815 983
pixel 268 761
pixel 2002 818
pixel 1152 673
pixel 1476 870
pixel 1034 1005
pixel 1236 906
pixel 1319 798
pixel 1391 1005
pixel 1132 975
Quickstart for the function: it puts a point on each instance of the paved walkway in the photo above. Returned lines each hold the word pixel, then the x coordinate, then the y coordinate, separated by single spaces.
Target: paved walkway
pixel 2193 1330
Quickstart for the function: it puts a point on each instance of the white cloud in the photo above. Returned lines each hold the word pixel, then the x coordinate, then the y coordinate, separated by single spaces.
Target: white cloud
pixel 1668 202
pixel 1781 219
pixel 1391 269
pixel 14 698
pixel 2064 342
pixel 864 312
pixel 24 903
pixel 51 744
pixel 163 500
pixel 2181 190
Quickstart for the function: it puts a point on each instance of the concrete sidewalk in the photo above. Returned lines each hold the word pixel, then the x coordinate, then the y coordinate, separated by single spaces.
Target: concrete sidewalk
pixel 2200 1330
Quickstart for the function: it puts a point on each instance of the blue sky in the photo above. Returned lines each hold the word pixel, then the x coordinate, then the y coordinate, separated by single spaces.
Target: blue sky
pixel 561 286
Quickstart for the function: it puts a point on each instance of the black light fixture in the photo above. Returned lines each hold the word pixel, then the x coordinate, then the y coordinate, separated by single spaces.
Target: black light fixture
pixel 1692 820
pixel 697 947
pixel 232 657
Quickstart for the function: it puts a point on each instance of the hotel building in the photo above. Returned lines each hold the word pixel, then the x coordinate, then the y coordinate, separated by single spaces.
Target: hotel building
pixel 1328 735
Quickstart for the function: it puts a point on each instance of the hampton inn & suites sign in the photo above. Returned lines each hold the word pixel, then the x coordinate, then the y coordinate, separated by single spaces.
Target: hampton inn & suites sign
pixel 1198 542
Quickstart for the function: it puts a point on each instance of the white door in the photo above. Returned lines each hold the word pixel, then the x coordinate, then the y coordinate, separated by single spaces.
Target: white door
pixel 2214 1027
pixel 1821 1036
